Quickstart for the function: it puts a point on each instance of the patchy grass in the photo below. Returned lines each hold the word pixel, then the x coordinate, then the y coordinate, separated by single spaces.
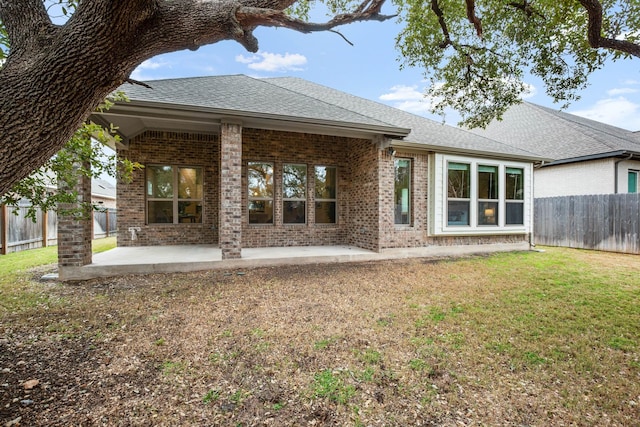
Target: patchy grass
pixel 512 339
pixel 18 269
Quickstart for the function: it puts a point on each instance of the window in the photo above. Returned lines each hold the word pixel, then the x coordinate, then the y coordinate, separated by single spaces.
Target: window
pixel 514 196
pixel 474 196
pixel 402 191
pixel 294 194
pixel 260 192
pixel 165 204
pixel 487 195
pixel 458 193
pixel 325 194
pixel 633 181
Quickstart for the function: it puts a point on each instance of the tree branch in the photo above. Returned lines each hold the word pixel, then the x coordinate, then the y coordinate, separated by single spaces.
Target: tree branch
pixel 443 24
pixel 471 15
pixel 251 17
pixel 594 31
pixel 25 21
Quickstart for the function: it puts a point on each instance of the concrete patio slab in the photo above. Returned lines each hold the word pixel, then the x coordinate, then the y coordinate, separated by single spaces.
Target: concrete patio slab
pixel 173 259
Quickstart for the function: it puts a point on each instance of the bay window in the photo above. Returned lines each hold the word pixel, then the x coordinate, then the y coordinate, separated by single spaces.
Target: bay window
pixel 478 196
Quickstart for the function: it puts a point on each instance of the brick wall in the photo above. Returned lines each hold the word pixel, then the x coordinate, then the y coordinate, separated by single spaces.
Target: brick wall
pixel 169 148
pixel 365 192
pixel 364 188
pixel 74 229
pixel 230 192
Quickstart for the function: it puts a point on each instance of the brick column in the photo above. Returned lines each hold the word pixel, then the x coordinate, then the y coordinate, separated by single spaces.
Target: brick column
pixel 230 214
pixel 74 229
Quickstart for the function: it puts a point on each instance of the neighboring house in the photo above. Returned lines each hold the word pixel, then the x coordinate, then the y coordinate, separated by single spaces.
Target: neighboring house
pixel 103 194
pixel 241 162
pixel 589 157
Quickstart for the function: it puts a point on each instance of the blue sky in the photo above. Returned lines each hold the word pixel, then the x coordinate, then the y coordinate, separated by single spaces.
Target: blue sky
pixel 370 69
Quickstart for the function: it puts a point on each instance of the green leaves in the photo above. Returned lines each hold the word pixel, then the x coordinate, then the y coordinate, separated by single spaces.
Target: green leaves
pixel 482 76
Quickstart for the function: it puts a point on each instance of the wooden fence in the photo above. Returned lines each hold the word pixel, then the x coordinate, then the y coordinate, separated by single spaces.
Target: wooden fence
pixel 607 222
pixel 19 233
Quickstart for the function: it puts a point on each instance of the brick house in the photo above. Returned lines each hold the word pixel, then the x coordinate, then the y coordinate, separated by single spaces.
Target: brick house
pixel 240 162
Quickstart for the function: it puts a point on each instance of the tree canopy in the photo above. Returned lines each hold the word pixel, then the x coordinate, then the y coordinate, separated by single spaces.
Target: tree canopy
pixel 476 53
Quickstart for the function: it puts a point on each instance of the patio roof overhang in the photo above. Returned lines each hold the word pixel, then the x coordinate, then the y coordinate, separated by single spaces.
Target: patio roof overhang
pixel 135 117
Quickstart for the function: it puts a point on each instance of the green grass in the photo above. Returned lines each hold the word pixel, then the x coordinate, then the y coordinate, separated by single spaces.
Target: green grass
pixel 16 292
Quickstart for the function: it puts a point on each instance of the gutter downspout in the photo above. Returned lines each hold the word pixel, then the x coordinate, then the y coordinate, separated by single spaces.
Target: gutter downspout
pixel 615 172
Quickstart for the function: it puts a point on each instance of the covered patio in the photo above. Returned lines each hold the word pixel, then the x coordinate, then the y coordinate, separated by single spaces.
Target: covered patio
pixel 185 258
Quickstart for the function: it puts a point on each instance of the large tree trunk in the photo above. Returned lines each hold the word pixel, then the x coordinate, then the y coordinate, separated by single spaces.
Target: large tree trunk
pixel 55 76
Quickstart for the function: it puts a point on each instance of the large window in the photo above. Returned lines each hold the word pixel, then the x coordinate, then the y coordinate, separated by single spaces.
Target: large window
pixel 402 191
pixel 174 194
pixel 514 196
pixel 458 193
pixel 325 194
pixel 633 181
pixel 294 194
pixel 480 196
pixel 260 192
pixel 487 195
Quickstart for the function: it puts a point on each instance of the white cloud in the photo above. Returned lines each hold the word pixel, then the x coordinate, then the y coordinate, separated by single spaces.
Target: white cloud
pixel 618 112
pixel 621 91
pixel 273 62
pixel 149 64
pixel 403 93
pixel 408 98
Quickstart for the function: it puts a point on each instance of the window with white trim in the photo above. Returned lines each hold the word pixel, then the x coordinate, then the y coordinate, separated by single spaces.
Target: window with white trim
pixel 480 196
pixel 326 201
pixel 458 193
pixel 260 192
pixel 488 199
pixel 514 196
pixel 294 194
pixel 174 194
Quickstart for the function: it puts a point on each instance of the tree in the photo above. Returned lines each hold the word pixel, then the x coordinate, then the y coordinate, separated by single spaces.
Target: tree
pixel 83 155
pixel 475 52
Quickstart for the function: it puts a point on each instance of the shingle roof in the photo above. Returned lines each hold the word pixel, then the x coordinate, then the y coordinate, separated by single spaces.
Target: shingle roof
pixel 559 135
pixel 245 94
pixel 289 97
pixel 423 130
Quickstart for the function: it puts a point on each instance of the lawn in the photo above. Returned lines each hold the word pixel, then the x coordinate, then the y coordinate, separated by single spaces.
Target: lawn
pixel 537 339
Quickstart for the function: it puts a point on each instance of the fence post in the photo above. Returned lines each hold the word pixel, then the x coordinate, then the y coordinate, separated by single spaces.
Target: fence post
pixel 4 229
pixel 45 228
pixel 107 214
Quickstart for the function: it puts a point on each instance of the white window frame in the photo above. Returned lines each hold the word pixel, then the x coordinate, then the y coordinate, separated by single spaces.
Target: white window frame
pixel 439 194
